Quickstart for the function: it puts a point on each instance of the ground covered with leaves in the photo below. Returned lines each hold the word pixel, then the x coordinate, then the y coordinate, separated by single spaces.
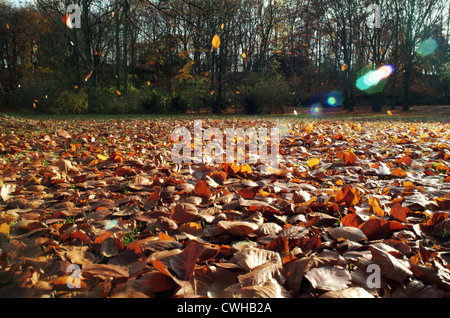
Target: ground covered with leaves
pixel 96 208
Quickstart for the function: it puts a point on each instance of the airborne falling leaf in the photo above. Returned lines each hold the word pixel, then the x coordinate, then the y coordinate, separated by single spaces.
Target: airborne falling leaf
pixel 88 76
pixel 216 42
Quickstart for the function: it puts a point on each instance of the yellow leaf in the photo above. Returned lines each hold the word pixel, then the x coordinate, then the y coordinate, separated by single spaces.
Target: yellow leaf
pixel 246 169
pixel 244 56
pixel 375 207
pixel 118 93
pixel 310 128
pixel 313 162
pixel 93 163
pixel 148 83
pixel 389 112
pixel 4 228
pixel 216 42
pixel 102 157
pixel 222 26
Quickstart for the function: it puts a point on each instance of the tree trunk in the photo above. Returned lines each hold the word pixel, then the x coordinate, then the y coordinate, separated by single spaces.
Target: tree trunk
pixel 126 8
pixel 117 43
pixel 88 54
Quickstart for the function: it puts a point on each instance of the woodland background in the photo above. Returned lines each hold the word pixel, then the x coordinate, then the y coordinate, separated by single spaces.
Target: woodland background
pixel 133 56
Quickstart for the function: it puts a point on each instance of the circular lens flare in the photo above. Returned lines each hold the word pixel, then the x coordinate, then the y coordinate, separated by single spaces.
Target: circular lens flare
pixel 427 47
pixel 316 109
pixel 335 99
pixel 331 101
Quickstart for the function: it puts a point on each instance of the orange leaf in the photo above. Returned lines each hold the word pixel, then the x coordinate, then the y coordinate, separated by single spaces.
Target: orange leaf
pixel 88 76
pixel 398 213
pixel 164 237
pixel 348 157
pixel 348 195
pixel 66 280
pixel 406 160
pixel 99 239
pixel 351 219
pixel 399 172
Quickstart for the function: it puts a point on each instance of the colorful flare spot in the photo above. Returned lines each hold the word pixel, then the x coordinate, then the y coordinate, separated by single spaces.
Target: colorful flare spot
pixel 316 109
pixel 334 99
pixel 427 47
pixel 372 78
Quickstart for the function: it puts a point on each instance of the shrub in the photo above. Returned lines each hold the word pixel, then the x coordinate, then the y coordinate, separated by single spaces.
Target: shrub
pixel 110 102
pixel 153 102
pixel 196 93
pixel 266 93
pixel 71 102
pixel 176 104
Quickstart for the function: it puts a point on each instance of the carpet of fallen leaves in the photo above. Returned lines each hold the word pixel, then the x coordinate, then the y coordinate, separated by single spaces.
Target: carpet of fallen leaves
pixel 356 209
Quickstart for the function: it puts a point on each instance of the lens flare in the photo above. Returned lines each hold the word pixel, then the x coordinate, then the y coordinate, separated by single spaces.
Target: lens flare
pixel 427 47
pixel 373 78
pixel 316 109
pixel 335 99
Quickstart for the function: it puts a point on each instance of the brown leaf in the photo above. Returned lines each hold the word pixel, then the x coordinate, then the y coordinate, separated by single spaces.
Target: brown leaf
pixel 263 273
pixel 183 263
pixel 202 189
pixel 251 257
pixel 270 289
pixel 390 266
pixel 239 228
pixel 183 213
pixel 351 292
pixel 106 270
pixel 347 233
pixel 329 278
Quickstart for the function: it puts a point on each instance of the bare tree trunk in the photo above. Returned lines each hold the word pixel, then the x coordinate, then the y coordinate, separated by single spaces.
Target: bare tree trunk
pixel 88 53
pixel 117 48
pixel 126 8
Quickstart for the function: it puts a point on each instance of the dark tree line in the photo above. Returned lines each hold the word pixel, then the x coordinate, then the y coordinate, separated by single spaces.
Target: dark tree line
pixel 155 54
